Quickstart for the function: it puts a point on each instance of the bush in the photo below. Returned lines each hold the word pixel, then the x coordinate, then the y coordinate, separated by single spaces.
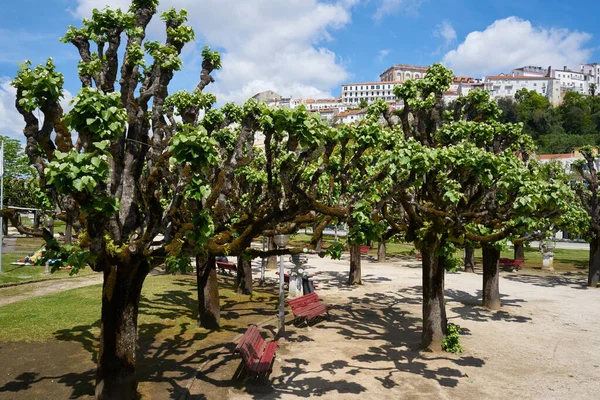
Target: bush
pixel 451 343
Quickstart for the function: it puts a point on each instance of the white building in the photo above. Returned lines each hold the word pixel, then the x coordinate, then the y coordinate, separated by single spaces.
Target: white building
pixel 502 86
pixel 321 104
pixel 354 93
pixel 350 116
pixel 593 71
pixel 572 80
pixel 566 159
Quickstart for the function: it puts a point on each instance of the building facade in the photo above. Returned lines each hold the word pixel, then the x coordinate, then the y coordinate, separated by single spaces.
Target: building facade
pixel 506 86
pixel 354 93
pixel 402 73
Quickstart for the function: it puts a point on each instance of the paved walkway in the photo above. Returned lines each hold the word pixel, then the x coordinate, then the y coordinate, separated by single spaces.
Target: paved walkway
pixel 14 294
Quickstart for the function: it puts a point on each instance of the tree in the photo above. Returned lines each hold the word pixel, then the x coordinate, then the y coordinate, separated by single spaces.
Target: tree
pixel 587 192
pixel 363 104
pixel 116 177
pixel 447 167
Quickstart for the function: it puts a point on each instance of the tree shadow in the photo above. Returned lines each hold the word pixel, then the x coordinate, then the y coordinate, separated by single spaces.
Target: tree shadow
pixel 377 318
pixel 168 355
pixel 567 279
pixel 471 309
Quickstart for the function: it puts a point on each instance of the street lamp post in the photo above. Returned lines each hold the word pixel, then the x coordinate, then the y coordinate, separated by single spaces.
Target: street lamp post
pixel 281 241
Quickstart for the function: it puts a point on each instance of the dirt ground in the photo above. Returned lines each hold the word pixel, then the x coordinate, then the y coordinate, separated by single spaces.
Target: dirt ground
pixel 543 344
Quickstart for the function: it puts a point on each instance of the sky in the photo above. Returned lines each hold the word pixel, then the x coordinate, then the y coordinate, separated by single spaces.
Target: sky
pixel 308 48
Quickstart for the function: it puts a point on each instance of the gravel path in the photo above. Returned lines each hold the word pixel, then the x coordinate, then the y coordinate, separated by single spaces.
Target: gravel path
pixel 37 289
pixel 542 344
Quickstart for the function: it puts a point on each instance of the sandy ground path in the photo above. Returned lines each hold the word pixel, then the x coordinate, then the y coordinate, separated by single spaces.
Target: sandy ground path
pixel 543 344
pixel 13 294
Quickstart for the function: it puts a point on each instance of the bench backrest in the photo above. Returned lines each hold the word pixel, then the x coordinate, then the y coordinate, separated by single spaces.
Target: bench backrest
pixel 303 300
pixel 226 264
pixel 251 345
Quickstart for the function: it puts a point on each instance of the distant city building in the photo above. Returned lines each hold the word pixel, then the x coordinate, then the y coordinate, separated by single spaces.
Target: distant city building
pixel 320 104
pixel 354 93
pixel 403 72
pixel 506 86
pixel 267 96
pixel 350 116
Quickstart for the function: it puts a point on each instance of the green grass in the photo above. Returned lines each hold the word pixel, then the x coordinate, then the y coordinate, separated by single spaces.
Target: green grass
pixel 25 273
pixel 167 310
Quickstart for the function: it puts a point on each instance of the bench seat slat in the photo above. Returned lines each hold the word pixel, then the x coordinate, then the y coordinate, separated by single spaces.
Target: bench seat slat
pixel 267 358
pixel 257 355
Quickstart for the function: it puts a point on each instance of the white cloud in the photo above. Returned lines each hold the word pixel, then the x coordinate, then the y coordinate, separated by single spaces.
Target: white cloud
pixel 445 31
pixel 390 7
pixel 268 44
pixel 513 42
pixel 383 54
pixel 11 122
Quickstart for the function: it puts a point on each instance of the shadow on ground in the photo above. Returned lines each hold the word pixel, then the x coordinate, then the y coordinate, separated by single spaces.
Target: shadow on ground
pixel 567 279
pixel 370 341
pixel 164 365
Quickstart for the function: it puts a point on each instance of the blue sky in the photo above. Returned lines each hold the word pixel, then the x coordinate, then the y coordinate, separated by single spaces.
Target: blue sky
pixel 307 48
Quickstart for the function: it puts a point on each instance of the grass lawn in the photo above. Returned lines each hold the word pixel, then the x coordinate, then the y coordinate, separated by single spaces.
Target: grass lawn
pixel 167 310
pixel 25 273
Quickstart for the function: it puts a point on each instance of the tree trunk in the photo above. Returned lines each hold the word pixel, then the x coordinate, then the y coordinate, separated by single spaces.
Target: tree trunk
pixel 491 278
pixel 469 259
pixel 319 245
pixel 209 309
pixel 121 290
pixel 271 260
pixel 594 271
pixel 69 232
pixel 381 251
pixel 355 273
pixel 519 251
pixel 434 307
pixel 244 276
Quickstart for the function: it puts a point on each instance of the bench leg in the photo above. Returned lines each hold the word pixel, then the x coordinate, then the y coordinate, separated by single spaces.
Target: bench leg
pixel 239 372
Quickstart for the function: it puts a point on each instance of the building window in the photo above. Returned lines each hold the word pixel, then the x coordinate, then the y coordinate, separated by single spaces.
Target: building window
pixel 377 87
pixel 417 76
pixel 407 75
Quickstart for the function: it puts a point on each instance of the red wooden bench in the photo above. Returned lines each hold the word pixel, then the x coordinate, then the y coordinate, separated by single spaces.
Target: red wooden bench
pixel 308 307
pixel 508 263
pixel 257 354
pixel 286 277
pixel 364 249
pixel 226 266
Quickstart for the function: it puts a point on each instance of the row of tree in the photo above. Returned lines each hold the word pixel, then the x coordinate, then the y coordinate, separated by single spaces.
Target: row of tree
pixel 155 178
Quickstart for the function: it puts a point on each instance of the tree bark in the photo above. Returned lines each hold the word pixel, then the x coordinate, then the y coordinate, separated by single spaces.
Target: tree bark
pixel 121 290
pixel 319 245
pixel 491 278
pixel 244 276
pixel 209 309
pixel 469 259
pixel 434 306
pixel 355 273
pixel 68 233
pixel 271 260
pixel 519 251
pixel 594 271
pixel 381 251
